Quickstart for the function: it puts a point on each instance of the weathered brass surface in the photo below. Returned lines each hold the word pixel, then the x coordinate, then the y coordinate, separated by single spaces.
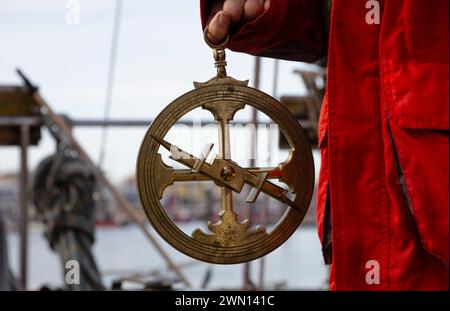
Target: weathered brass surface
pixel 228 241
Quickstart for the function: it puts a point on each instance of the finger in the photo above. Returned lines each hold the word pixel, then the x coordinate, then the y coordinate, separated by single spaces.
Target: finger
pixel 218 28
pixel 253 9
pixel 235 8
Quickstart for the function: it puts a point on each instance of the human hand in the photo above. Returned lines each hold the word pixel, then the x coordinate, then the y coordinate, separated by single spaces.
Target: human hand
pixel 234 12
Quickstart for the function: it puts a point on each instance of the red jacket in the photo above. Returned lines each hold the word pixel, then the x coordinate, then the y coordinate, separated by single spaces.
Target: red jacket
pixel 384 132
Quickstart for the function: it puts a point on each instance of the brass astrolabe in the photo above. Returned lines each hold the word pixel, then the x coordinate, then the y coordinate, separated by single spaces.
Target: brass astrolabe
pixel 228 241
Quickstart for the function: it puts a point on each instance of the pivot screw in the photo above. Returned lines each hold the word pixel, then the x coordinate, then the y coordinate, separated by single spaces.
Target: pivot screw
pixel 228 173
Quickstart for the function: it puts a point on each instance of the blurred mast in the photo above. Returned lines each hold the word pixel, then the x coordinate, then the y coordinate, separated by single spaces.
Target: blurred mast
pixel 110 81
pixel 265 208
pixel 247 283
pixel 23 202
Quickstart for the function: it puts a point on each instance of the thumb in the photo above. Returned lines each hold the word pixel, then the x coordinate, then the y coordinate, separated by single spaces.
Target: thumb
pixel 218 28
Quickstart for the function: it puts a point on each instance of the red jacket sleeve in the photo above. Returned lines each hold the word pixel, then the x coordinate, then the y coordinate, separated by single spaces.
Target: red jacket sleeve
pixel 290 29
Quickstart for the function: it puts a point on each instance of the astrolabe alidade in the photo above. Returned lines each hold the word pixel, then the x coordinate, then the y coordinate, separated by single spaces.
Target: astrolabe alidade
pixel 228 241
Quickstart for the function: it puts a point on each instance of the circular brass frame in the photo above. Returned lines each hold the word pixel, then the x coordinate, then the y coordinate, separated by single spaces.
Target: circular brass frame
pixel 299 175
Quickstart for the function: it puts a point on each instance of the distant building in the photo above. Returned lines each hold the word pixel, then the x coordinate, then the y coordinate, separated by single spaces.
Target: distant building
pixel 9 199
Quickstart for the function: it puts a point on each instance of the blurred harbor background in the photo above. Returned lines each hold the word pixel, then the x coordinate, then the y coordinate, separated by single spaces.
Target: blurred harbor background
pixel 297 265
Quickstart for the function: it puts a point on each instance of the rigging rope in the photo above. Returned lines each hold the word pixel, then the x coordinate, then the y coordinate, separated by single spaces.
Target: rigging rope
pixel 110 82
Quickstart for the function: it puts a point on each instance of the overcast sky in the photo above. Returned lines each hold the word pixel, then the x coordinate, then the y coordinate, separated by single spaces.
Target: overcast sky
pixel 161 51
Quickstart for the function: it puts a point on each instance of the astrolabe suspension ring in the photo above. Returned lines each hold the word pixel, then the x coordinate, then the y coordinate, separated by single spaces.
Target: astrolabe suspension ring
pixel 228 241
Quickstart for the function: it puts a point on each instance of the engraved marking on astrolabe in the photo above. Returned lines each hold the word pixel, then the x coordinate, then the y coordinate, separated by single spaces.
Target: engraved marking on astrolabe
pixel 224 111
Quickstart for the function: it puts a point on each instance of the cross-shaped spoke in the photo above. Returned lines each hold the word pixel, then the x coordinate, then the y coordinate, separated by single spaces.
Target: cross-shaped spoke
pixel 182 175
